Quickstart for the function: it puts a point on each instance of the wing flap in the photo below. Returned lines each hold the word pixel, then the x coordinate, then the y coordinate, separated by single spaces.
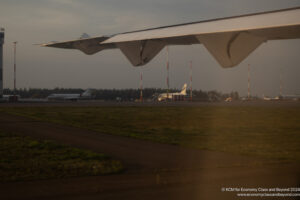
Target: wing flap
pixel 229 49
pixel 141 52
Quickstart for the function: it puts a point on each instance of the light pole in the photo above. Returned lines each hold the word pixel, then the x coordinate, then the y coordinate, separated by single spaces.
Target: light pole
pixel 1 60
pixel 280 83
pixel 168 65
pixel 191 80
pixel 249 95
pixel 141 85
pixel 15 66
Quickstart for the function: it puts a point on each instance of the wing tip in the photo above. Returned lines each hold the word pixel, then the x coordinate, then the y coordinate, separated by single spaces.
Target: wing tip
pixel 45 44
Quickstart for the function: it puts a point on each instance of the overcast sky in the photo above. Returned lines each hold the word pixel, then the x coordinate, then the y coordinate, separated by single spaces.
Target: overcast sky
pixel 39 21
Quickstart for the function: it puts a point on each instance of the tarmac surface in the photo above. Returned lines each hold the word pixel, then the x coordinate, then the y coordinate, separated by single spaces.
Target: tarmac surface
pixel 153 171
pixel 90 103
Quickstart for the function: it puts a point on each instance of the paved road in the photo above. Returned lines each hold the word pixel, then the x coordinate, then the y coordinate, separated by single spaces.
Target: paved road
pixel 153 171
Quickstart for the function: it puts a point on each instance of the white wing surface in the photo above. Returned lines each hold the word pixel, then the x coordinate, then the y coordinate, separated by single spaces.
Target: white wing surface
pixel 229 40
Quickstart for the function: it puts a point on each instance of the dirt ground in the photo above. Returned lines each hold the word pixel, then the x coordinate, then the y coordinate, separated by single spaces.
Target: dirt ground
pixel 153 171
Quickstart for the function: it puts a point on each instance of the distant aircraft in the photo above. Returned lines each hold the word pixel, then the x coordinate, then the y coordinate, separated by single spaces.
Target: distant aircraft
pixel 271 99
pixel 294 97
pixel 230 40
pixel 71 97
pixel 228 99
pixel 10 97
pixel 170 96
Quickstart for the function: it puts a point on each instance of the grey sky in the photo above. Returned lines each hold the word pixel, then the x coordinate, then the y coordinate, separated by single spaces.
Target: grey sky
pixel 36 21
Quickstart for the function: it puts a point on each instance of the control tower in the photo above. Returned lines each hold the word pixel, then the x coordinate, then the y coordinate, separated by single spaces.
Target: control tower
pixel 1 60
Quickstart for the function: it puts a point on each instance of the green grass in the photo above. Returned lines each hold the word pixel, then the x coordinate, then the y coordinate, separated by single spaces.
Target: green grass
pixel 267 132
pixel 23 158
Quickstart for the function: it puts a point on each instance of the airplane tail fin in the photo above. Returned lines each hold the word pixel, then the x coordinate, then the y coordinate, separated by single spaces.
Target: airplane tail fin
pixel 183 91
pixel 84 36
pixel 87 93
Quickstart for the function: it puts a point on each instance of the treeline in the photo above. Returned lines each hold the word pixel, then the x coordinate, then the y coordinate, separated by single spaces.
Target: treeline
pixel 120 94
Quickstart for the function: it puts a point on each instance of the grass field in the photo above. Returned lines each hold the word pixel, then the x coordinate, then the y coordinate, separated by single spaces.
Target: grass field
pixel 23 158
pixel 268 132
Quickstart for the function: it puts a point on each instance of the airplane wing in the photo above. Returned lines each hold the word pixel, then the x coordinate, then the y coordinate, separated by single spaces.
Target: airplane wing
pixel 88 46
pixel 230 40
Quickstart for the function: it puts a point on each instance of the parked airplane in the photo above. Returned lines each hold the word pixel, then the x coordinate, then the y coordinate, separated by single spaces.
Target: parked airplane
pixel 170 96
pixel 10 98
pixel 294 97
pixel 271 99
pixel 230 40
pixel 72 97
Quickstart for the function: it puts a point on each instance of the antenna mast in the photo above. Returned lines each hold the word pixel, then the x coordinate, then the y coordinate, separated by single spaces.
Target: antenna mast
pixel 248 81
pixel 191 80
pixel 15 66
pixel 141 85
pixel 281 82
pixel 168 86
pixel 1 60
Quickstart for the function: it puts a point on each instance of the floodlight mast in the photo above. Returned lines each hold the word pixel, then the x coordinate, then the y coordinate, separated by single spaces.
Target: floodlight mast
pixel 168 66
pixel 141 85
pixel 280 83
pixel 249 94
pixel 191 80
pixel 1 60
pixel 15 66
